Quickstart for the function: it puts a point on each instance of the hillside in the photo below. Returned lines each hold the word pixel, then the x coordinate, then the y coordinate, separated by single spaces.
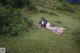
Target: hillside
pixel 59 5
pixel 31 37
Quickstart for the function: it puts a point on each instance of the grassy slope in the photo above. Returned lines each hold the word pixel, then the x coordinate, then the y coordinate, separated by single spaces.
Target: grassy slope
pixel 44 41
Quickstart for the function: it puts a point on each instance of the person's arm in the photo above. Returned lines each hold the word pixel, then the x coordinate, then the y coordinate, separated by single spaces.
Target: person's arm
pixel 39 23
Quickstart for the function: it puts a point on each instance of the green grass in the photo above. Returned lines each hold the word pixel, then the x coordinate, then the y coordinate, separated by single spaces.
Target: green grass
pixel 42 40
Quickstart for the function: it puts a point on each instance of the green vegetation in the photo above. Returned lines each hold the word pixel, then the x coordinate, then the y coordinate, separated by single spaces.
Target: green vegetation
pixel 12 21
pixel 15 3
pixel 19 17
pixel 76 34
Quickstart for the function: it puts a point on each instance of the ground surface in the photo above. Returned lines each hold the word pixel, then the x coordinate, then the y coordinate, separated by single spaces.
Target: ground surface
pixel 42 40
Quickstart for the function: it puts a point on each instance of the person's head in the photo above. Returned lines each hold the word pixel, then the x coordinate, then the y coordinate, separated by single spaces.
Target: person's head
pixel 42 18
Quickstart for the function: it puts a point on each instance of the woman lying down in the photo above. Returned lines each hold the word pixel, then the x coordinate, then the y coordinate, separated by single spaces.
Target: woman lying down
pixel 44 23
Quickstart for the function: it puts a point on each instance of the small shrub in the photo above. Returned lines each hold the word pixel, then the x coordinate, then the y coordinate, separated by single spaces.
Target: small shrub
pixel 59 8
pixel 43 11
pixel 51 13
pixel 54 13
pixel 32 8
pixel 60 0
pixel 15 3
pixel 12 22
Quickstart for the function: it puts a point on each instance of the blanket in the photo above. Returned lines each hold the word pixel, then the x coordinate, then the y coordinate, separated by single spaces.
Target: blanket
pixel 55 29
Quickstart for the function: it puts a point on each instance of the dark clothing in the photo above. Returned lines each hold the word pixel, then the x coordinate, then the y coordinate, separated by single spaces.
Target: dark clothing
pixel 43 22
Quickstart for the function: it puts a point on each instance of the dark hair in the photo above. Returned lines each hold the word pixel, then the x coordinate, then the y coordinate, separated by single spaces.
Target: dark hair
pixel 43 18
pixel 45 22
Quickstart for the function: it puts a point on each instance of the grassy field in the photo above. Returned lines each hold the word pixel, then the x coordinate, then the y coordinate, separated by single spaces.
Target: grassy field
pixel 43 41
